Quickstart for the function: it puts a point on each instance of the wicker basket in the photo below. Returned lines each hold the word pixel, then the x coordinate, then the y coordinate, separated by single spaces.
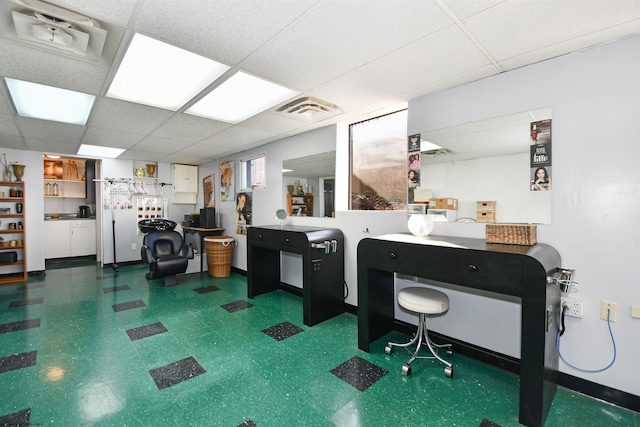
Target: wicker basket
pixel 511 234
pixel 219 250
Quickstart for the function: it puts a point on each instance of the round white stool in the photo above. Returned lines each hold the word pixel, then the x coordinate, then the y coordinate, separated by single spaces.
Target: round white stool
pixel 424 301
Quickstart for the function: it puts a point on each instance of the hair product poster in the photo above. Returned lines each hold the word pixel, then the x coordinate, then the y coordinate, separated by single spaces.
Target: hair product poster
pixel 227 171
pixel 540 157
pixel 207 186
pixel 243 212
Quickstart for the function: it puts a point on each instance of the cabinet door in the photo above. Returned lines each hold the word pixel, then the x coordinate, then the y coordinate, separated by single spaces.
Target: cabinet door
pixel 56 240
pixel 83 238
pixel 185 178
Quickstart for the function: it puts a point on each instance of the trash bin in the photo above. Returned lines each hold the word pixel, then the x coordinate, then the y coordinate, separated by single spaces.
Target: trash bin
pixel 219 250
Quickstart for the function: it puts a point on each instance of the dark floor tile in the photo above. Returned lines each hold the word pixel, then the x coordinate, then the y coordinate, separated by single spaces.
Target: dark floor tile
pixel 283 331
pixel 20 418
pixel 18 361
pixel 146 331
pixel 232 307
pixel 22 303
pixel 359 373
pixel 206 289
pixel 30 286
pixel 116 289
pixel 486 423
pixel 176 372
pixel 128 305
pixel 18 326
pixel 248 423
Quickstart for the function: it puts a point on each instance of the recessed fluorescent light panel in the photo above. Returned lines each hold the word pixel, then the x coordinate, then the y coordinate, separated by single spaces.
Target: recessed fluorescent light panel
pixel 99 151
pixel 239 98
pixel 50 103
pixel 160 75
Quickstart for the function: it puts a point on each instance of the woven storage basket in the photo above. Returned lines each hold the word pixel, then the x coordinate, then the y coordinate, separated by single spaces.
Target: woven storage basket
pixel 219 250
pixel 512 234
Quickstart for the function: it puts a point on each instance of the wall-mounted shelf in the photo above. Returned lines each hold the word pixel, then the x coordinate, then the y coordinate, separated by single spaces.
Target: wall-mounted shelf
pixel 300 201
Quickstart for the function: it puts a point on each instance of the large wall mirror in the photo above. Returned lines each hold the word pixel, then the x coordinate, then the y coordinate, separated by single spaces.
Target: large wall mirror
pixel 487 160
pixel 315 174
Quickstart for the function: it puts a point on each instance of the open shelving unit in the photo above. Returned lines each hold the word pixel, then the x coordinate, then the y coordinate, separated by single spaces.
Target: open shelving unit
pixel 13 271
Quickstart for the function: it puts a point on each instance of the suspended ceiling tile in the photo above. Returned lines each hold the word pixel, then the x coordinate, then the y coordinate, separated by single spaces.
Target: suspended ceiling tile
pixel 441 56
pixel 186 127
pixel 339 36
pixel 274 123
pixel 579 43
pixel 202 149
pixel 7 127
pixel 110 138
pixel 226 31
pixel 161 145
pixel 237 137
pixel 126 116
pixel 114 11
pixel 39 66
pixel 49 146
pixel 10 141
pixel 183 159
pixel 517 27
pixel 53 131
pixel 141 155
pixel 463 9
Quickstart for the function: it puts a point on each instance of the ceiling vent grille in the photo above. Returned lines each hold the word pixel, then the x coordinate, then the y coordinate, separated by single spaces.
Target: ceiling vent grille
pixel 437 153
pixel 53 28
pixel 309 109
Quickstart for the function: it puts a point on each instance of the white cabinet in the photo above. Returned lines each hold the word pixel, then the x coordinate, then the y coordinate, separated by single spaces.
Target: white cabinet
pixel 82 237
pixel 185 184
pixel 56 241
pixel 69 238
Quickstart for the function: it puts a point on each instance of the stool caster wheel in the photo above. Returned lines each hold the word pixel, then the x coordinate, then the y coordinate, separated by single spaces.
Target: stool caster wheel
pixel 406 369
pixel 449 352
pixel 448 371
pixel 388 349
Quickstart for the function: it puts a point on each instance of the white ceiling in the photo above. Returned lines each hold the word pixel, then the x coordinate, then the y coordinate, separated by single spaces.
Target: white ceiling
pixel 362 55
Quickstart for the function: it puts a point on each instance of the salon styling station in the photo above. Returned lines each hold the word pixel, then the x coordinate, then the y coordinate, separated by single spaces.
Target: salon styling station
pixel 322 251
pixel 514 270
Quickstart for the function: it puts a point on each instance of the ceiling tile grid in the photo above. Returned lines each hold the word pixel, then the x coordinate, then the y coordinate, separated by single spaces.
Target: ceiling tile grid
pixel 360 55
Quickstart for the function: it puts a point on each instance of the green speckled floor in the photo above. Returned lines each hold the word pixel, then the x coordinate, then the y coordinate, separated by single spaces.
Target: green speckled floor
pixel 84 363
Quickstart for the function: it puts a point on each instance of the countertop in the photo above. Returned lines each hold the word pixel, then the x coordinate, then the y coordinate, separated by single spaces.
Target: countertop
pixel 66 217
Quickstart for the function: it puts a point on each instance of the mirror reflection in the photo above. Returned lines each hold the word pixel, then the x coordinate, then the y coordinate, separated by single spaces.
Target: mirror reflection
pixel 309 184
pixel 487 160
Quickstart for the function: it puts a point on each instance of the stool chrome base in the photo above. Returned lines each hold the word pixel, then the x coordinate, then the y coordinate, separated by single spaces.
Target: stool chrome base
pixel 418 339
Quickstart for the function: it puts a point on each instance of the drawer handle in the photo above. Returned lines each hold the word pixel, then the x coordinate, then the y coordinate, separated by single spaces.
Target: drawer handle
pixel 394 255
pixel 472 268
pixel 287 240
pixel 259 236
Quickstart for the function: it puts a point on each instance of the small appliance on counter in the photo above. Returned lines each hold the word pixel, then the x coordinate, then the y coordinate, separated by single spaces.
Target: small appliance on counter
pixel 84 211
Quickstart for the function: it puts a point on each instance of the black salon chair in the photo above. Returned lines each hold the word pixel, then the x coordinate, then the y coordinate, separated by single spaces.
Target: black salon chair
pixel 167 255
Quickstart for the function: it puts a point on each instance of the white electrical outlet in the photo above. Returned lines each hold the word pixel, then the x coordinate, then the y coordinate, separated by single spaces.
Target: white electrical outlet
pixel 606 307
pixel 133 246
pixel 575 306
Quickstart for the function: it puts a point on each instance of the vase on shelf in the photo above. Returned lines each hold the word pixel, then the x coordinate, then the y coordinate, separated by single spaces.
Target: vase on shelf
pixel 151 169
pixel 6 174
pixel 18 171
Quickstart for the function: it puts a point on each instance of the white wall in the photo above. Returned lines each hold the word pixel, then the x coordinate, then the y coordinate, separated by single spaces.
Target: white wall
pixel 595 97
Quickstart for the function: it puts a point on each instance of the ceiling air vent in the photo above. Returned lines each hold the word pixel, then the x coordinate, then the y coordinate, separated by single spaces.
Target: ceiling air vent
pixel 51 27
pixel 309 109
pixel 438 152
